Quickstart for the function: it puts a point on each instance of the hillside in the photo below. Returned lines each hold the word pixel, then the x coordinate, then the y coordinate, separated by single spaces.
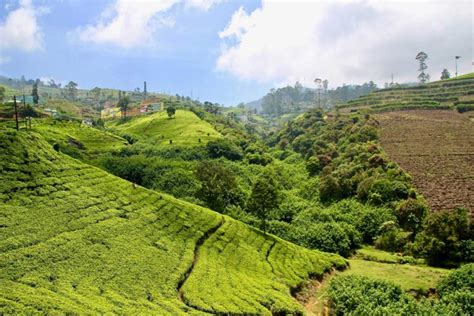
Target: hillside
pixel 185 129
pixel 453 93
pixel 75 239
pixel 78 140
pixel 437 149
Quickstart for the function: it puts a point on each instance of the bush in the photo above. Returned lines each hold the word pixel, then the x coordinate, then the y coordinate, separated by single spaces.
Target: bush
pixel 411 214
pixel 392 238
pixel 459 280
pixel 224 148
pixel 445 238
pixel 358 295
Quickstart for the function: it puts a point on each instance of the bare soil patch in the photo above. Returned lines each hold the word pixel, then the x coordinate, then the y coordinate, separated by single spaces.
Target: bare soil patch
pixel 437 149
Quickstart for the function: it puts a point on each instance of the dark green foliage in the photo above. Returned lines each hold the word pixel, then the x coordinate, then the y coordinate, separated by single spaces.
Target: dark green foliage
pixel 34 93
pixel 129 138
pixel 219 188
pixel 391 237
pixel 411 214
pixel 224 148
pixel 446 239
pixel 265 197
pixel 171 111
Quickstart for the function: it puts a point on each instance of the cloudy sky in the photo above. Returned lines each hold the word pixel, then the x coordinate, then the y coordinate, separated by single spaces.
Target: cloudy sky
pixel 230 51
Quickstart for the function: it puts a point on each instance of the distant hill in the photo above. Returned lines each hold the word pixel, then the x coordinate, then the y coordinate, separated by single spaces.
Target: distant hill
pixel 75 239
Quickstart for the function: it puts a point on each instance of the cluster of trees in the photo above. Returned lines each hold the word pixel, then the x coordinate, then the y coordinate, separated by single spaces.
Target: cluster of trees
pixel 298 98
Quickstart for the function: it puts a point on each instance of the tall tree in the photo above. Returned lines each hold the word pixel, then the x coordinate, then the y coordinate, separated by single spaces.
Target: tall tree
pixel 34 93
pixel 445 74
pixel 265 197
pixel 71 90
pixel 422 57
pixel 219 187
pixel 123 104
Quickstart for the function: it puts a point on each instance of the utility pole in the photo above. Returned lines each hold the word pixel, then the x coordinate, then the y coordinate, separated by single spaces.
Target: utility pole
pixel 456 60
pixel 16 113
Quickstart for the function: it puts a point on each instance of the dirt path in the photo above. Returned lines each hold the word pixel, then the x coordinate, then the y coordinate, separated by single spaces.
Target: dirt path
pixel 313 295
pixel 437 149
pixel 197 246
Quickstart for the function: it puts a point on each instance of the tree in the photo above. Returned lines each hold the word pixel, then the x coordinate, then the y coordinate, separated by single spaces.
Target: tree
pixel 2 93
pixel 445 74
pixel 123 104
pixel 34 93
pixel 422 57
pixel 265 197
pixel 71 90
pixel 219 187
pixel 171 111
pixel 446 239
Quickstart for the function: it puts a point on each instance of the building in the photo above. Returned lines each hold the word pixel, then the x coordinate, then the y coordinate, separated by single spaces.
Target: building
pixel 110 113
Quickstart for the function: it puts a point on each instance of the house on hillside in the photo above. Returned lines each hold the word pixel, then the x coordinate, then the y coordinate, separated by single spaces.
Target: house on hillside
pixel 110 113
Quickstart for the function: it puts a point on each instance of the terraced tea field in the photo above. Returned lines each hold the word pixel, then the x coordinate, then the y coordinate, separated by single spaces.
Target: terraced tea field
pixel 437 149
pixel 185 129
pixel 77 240
pixel 456 93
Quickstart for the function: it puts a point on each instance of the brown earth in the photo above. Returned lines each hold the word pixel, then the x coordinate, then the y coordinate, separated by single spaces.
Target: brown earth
pixel 436 148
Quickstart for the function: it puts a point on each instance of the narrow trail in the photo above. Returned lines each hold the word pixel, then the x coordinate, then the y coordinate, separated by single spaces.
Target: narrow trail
pixel 197 247
pixel 313 295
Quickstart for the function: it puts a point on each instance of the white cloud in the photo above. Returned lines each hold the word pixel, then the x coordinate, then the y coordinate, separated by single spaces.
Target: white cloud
pixel 345 41
pixel 130 23
pixel 20 30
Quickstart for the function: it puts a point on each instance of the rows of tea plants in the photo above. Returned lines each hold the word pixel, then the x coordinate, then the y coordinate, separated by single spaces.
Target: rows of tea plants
pixel 251 277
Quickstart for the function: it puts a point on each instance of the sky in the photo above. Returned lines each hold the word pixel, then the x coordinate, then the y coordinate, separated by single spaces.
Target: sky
pixel 231 51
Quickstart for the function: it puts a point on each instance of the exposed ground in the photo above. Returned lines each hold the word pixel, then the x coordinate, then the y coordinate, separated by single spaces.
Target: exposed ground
pixel 437 149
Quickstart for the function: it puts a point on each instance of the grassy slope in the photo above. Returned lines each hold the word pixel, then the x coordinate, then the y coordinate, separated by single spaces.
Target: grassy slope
pixel 185 129
pixel 95 141
pixel 74 238
pixel 409 277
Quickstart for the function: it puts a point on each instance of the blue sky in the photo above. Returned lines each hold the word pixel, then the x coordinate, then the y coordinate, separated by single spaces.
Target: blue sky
pixel 229 51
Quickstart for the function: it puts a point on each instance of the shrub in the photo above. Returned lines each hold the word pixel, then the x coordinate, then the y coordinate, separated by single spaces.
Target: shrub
pixel 224 148
pixel 392 238
pixel 445 238
pixel 411 213
pixel 459 280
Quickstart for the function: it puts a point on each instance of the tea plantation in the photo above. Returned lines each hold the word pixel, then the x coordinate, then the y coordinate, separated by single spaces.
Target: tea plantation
pixel 185 129
pixel 456 93
pixel 77 240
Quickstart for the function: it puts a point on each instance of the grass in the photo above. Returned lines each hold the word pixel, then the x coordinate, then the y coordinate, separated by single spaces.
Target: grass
pixel 185 129
pixel 409 277
pixel 77 240
pixel 370 253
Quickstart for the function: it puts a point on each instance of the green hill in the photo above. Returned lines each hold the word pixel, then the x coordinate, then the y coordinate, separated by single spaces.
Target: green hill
pixel 184 129
pixel 77 240
pixel 78 140
pixel 457 93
